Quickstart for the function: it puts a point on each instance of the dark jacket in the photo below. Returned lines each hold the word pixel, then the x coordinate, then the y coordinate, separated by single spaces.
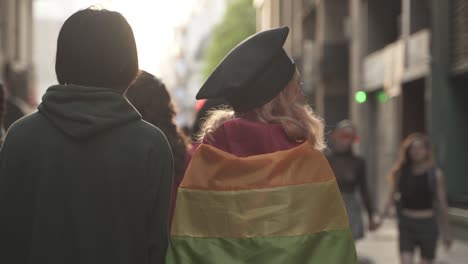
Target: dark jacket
pixel 84 180
pixel 350 172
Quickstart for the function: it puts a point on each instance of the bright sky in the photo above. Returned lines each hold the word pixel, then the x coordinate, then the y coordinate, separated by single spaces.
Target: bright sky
pixel 153 22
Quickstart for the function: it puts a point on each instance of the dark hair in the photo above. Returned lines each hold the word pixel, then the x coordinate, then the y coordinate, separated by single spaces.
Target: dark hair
pixel 96 48
pixel 151 98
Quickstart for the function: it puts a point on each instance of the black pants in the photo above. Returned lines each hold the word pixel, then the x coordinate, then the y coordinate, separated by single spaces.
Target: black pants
pixel 419 233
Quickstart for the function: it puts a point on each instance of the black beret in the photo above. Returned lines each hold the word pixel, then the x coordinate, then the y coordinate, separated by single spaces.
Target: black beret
pixel 253 73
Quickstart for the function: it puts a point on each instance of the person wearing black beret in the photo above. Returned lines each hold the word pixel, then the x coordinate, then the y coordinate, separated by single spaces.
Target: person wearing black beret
pixel 258 188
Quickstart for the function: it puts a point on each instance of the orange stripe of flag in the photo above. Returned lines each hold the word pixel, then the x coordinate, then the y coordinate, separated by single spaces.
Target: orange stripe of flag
pixel 213 169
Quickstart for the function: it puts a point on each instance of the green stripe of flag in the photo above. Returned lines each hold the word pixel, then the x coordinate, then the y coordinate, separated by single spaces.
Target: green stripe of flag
pixel 329 247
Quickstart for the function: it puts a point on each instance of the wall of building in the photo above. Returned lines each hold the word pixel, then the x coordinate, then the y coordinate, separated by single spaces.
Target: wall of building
pixel 16 45
pixel 389 57
pixel 384 23
pixel 427 93
pixel 449 108
pixel 16 31
pixel 278 13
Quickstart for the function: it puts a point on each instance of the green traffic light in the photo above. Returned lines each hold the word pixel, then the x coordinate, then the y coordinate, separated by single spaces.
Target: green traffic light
pixel 382 97
pixel 361 97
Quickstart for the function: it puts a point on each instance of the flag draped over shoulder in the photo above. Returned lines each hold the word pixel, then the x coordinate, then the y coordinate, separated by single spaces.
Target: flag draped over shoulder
pixel 283 207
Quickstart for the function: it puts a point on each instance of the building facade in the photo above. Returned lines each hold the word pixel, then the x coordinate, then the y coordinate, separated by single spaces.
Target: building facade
pixel 412 62
pixel 407 58
pixel 186 78
pixel 319 45
pixel 16 42
pixel 390 56
pixel 449 107
pixel 16 31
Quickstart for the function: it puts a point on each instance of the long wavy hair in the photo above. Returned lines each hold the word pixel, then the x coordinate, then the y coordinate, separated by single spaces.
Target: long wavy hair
pixel 150 97
pixel 289 109
pixel 404 163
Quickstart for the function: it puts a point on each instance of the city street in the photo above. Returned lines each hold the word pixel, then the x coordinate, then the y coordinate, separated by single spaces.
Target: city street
pixel 381 248
pixel 232 131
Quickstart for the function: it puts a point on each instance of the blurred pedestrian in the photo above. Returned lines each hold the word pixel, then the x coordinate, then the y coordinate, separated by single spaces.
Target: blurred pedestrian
pixel 84 179
pixel 350 172
pixel 16 108
pixel 150 97
pixel 419 194
pixel 258 189
pixel 2 112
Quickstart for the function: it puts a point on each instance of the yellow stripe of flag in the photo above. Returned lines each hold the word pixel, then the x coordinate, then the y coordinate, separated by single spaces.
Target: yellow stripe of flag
pixel 281 211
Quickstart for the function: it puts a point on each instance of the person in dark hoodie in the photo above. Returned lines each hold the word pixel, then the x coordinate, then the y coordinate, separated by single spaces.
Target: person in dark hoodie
pixel 85 179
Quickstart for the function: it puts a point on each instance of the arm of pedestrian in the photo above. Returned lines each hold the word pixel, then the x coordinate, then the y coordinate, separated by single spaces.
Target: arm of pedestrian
pixel 446 229
pixel 388 205
pixel 365 195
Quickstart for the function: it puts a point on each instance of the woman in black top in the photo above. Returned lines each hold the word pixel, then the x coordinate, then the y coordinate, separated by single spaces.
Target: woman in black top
pixel 350 172
pixel 418 189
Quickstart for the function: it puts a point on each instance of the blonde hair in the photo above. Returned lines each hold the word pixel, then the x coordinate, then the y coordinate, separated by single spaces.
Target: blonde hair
pixel 288 108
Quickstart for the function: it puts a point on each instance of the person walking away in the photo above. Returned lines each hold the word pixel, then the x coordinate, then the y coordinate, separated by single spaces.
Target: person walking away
pixel 16 108
pixel 85 179
pixel 258 189
pixel 419 194
pixel 152 100
pixel 350 172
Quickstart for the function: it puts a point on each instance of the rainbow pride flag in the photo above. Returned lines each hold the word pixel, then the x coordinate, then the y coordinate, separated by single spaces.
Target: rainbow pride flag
pixel 283 207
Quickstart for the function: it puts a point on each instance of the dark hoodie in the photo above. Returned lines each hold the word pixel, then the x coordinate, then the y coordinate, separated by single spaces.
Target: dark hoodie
pixel 84 180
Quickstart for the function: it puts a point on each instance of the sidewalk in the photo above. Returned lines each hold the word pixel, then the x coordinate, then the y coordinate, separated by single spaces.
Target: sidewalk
pixel 381 247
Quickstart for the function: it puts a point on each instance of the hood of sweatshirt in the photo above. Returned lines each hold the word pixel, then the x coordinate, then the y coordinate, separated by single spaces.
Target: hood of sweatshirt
pixel 83 112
